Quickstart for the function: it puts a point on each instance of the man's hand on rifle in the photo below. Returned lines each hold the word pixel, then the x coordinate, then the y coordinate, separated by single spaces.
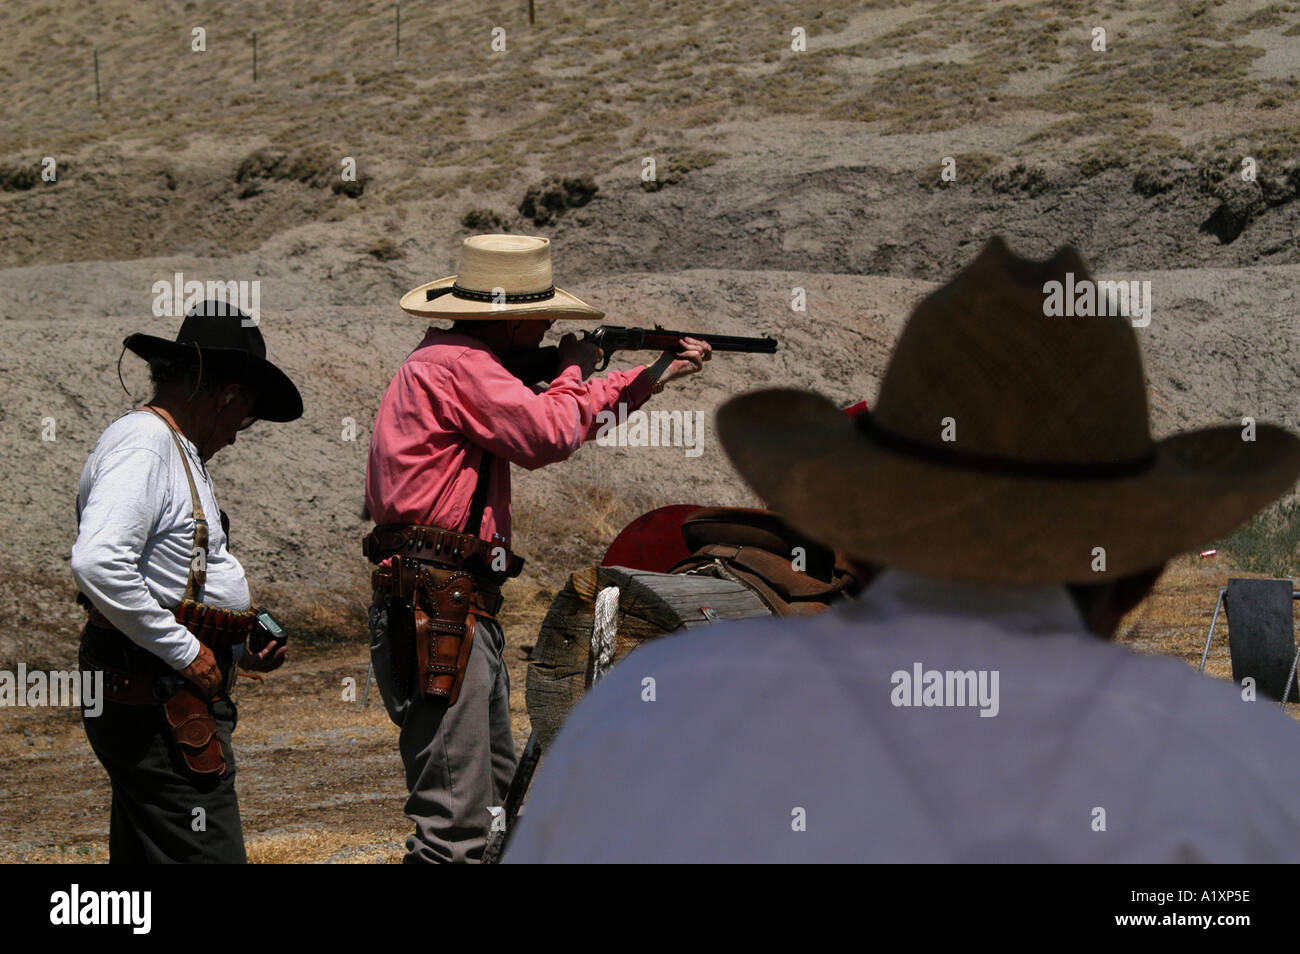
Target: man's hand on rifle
pixel 689 360
pixel 585 354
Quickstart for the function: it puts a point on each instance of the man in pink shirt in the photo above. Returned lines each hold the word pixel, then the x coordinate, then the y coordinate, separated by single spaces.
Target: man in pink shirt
pixel 438 488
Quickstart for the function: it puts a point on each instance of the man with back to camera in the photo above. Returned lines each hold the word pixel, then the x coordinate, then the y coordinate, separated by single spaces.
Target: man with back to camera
pixel 1007 495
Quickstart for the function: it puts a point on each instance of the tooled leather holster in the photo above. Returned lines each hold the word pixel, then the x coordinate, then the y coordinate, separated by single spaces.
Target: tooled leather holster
pixel 435 587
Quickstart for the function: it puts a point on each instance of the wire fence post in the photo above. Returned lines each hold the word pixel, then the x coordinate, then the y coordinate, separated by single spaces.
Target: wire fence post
pixel 254 56
pixel 97 97
pixel 399 27
pixel 530 12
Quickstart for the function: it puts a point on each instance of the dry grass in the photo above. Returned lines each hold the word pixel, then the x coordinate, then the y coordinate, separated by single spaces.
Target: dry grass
pixel 83 854
pixel 326 847
pixel 1270 543
pixel 1175 620
pixel 317 846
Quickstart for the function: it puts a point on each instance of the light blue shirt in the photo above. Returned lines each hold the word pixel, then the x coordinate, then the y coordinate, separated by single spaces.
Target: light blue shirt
pixel 878 731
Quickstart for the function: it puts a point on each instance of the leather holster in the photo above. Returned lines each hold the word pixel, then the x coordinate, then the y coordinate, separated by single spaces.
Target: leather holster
pixel 444 630
pixel 194 731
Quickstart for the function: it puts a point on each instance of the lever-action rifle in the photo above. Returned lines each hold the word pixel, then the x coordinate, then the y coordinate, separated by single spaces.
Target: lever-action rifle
pixel 542 364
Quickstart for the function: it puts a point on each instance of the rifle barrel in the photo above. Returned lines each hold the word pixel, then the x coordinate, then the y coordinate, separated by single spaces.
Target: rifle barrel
pixel 658 338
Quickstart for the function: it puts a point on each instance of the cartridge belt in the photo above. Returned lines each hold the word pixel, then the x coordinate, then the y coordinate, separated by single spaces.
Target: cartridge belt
pixel 214 626
pixel 443 547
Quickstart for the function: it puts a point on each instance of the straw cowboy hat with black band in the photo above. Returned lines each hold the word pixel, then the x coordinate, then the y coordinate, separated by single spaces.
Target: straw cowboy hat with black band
pixel 217 336
pixel 1053 465
pixel 500 277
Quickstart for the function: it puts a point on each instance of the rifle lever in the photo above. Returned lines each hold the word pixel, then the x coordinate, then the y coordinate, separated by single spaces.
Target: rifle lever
pixel 597 338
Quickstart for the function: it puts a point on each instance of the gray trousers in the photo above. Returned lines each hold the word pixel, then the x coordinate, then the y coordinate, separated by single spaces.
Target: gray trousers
pixel 459 759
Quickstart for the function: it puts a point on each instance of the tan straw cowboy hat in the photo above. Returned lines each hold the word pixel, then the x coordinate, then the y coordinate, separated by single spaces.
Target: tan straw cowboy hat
pixel 501 276
pixel 1052 468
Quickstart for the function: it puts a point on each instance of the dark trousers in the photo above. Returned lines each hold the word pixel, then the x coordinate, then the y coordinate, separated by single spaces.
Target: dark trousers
pixel 460 759
pixel 160 812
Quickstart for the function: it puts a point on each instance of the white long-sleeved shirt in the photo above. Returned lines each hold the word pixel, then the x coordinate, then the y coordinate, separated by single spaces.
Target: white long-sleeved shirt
pixel 136 531
pixel 784 740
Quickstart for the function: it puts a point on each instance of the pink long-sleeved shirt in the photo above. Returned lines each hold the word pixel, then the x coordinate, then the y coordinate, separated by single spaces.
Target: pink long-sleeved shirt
pixel 452 401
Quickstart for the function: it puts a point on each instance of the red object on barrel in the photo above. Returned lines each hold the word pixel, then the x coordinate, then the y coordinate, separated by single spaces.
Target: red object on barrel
pixel 653 541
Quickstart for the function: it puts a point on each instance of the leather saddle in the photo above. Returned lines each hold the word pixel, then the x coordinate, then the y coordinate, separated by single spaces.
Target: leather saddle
pixel 793 575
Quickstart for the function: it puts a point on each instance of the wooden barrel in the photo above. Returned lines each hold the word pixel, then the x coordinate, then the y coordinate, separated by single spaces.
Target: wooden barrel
pixel 649 605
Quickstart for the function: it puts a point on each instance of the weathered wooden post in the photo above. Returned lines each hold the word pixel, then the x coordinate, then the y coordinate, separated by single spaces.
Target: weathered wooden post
pixel 97 99
pixel 530 12
pixel 399 27
pixel 254 56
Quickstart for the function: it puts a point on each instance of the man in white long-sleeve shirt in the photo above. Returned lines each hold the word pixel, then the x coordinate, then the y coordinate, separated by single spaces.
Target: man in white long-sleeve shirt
pixel 152 578
pixel 1007 495
pixel 133 546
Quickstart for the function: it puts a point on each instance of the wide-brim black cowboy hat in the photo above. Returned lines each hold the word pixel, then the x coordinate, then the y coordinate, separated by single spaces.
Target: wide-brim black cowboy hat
pixel 1005 446
pixel 216 336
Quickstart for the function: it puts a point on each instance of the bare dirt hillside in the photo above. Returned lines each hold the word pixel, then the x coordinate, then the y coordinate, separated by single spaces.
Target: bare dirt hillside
pixel 774 169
